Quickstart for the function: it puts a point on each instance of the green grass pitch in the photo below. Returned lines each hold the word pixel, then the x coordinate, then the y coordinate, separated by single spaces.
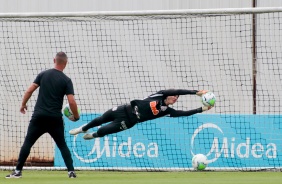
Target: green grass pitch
pixel 87 177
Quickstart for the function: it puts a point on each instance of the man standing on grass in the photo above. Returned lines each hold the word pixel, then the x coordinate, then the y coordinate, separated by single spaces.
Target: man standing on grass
pixel 47 115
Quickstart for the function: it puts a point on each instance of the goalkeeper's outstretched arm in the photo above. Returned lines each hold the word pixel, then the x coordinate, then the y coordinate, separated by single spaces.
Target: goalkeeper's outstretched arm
pixel 173 92
pixel 179 113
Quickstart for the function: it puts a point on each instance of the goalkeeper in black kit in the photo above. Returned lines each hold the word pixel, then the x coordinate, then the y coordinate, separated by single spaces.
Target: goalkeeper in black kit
pixel 126 116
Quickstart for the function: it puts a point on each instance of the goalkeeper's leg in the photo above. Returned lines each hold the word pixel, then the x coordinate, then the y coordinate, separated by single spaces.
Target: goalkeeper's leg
pixel 113 127
pixel 106 117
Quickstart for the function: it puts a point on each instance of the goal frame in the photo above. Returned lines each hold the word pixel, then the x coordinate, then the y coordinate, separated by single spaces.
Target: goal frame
pixel 144 12
pixel 257 10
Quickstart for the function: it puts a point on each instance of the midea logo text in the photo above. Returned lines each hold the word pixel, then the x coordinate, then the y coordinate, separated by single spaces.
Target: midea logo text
pixel 229 149
pixel 226 148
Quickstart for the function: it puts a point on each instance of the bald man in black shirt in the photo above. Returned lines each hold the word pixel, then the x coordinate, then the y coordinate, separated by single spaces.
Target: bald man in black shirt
pixel 47 114
pixel 126 116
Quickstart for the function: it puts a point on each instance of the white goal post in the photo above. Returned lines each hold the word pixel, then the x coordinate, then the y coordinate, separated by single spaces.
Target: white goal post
pixel 145 12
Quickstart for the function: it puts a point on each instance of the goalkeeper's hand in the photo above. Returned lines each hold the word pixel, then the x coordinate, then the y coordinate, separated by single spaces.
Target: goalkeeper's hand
pixel 205 108
pixel 201 92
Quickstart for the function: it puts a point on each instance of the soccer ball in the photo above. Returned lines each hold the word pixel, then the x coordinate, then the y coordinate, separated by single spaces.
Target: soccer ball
pixel 68 113
pixel 208 99
pixel 199 162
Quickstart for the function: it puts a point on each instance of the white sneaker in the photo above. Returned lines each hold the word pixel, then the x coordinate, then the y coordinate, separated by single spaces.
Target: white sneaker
pixel 77 130
pixel 88 136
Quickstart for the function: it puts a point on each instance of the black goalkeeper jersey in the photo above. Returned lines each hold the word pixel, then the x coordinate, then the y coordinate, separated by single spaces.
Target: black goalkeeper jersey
pixel 154 107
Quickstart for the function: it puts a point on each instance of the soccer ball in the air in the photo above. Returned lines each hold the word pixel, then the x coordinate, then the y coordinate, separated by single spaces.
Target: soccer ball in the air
pixel 208 99
pixel 199 162
pixel 68 113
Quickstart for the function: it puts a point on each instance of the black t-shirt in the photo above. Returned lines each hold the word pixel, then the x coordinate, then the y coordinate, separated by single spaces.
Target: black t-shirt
pixel 54 85
pixel 154 107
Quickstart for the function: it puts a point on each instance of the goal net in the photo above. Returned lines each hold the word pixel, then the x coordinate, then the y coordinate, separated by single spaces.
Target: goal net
pixel 115 57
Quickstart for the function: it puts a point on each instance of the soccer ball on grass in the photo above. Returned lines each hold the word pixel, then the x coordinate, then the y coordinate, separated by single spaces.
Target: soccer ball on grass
pixel 199 162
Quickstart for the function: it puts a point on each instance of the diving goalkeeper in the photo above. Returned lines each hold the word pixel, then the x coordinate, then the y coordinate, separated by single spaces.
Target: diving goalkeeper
pixel 126 116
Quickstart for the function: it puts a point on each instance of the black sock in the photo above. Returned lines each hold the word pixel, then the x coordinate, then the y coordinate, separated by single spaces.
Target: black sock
pixel 95 135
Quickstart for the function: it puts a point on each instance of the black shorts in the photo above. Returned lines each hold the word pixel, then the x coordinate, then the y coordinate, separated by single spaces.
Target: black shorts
pixel 124 114
pixel 120 118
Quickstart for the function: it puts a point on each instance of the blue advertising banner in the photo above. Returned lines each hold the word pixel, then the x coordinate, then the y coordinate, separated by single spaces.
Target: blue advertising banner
pixel 226 140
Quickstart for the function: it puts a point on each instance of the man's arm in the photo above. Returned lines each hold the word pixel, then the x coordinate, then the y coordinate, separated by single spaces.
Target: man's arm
pixel 173 92
pixel 27 96
pixel 73 106
pixel 178 113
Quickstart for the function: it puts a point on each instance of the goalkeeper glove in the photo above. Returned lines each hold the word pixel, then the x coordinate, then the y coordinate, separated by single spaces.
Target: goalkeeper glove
pixel 205 108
